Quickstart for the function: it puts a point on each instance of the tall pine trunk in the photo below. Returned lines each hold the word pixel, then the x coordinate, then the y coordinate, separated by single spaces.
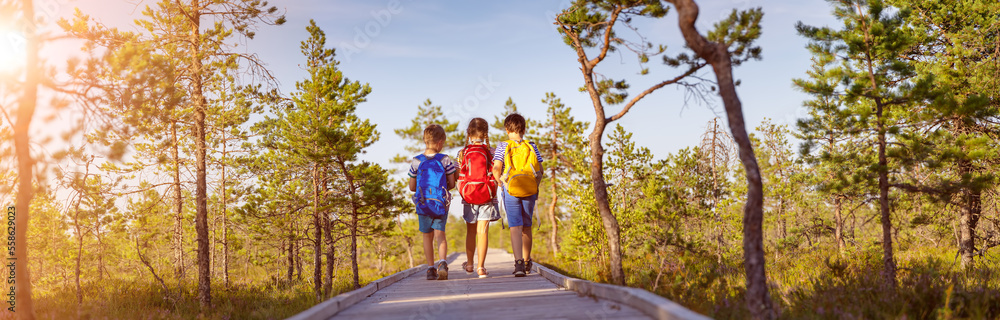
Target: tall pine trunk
pixel 608 219
pixel 354 248
pixel 25 188
pixel 225 218
pixel 353 191
pixel 291 257
pixel 838 230
pixel 318 235
pixel 971 200
pixel 178 212
pixel 758 299
pixel 888 262
pixel 331 253
pixel 201 189
pixel 79 254
pixel 554 236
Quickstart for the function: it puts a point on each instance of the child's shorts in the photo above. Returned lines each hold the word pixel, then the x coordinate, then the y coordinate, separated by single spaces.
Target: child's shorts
pixel 481 212
pixel 519 210
pixel 428 224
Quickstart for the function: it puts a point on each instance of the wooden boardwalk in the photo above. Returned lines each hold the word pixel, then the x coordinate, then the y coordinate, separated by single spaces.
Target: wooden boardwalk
pixel 501 296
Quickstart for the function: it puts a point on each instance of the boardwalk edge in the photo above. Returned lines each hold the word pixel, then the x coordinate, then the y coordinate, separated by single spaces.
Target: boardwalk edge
pixel 649 303
pixel 332 306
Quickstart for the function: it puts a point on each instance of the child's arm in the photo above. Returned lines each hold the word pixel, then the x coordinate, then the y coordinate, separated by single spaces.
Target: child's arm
pixel 541 169
pixel 451 180
pixel 497 169
pixel 413 184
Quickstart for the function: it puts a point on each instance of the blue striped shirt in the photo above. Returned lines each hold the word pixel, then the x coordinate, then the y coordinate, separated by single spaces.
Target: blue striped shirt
pixel 501 150
pixel 450 166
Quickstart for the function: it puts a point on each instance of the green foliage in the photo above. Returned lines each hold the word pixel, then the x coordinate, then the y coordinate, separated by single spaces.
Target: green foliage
pixel 532 127
pixel 428 114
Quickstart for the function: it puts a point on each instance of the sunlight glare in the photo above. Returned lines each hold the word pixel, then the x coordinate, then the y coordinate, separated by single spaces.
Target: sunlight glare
pixel 11 50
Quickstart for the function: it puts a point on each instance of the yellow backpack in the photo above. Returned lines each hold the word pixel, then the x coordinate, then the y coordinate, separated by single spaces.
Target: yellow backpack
pixel 521 169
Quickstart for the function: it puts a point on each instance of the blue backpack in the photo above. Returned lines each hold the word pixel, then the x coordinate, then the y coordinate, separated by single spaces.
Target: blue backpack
pixel 431 196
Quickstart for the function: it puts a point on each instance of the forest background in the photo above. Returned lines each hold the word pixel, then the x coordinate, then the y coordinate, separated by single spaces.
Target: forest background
pixel 180 174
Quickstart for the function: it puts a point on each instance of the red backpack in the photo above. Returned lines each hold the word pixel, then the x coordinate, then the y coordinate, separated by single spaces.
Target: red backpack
pixel 475 177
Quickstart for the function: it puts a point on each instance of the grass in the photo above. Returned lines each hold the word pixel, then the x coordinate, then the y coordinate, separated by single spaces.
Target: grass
pixel 138 299
pixel 815 284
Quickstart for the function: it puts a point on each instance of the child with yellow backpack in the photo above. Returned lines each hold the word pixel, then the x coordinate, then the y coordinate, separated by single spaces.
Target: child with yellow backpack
pixel 517 164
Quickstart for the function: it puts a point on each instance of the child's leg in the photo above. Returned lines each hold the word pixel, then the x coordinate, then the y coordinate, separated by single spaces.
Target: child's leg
pixel 512 207
pixel 516 242
pixel 442 245
pixel 482 241
pixel 470 241
pixel 526 241
pixel 424 225
pixel 429 248
pixel 527 213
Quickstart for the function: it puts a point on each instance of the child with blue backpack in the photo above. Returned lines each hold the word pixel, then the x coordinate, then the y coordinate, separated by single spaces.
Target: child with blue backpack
pixel 517 164
pixel 432 175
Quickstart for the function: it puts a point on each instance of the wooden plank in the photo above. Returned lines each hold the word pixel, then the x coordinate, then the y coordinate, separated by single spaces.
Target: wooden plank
pixel 653 305
pixel 332 306
pixel 500 296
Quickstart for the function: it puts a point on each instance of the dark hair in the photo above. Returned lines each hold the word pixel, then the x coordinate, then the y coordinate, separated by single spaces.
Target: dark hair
pixel 433 133
pixel 514 123
pixel 478 128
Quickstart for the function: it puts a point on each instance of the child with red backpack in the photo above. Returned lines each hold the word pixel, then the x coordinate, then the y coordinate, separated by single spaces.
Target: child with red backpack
pixel 432 174
pixel 478 188
pixel 517 164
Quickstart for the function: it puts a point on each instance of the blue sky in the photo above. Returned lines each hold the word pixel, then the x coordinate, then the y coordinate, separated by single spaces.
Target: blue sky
pixel 447 50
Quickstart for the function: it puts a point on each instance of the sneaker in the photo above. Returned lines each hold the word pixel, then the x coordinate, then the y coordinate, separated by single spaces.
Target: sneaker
pixel 519 268
pixel 527 266
pixel 432 273
pixel 442 268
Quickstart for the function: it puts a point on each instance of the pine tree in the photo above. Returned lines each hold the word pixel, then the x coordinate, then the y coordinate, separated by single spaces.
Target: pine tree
pixel 629 167
pixel 716 152
pixel 590 24
pixel 961 52
pixel 561 141
pixel 202 57
pixel 731 45
pixel 533 128
pixel 871 75
pixel 785 178
pixel 26 107
pixel 320 131
pixel 833 145
pixel 413 135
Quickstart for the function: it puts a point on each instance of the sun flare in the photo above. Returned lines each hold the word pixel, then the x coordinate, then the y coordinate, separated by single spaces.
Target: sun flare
pixel 11 51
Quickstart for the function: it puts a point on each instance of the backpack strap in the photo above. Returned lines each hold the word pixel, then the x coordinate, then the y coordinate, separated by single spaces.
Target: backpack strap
pixel 508 160
pixel 438 157
pixel 421 157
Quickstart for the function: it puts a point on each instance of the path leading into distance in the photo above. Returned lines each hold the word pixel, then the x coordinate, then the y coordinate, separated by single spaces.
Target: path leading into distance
pixel 467 297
